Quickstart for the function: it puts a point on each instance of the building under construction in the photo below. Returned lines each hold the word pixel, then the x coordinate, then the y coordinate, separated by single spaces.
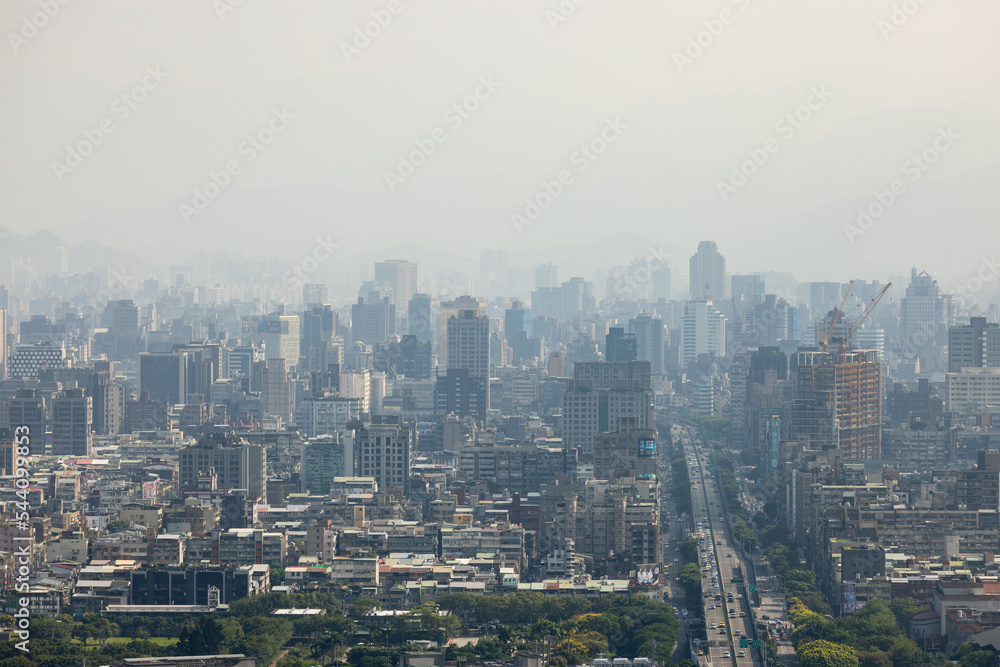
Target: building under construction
pixel 851 383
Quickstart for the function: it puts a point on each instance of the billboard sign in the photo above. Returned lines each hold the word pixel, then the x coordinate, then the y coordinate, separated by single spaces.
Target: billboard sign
pixel 647 447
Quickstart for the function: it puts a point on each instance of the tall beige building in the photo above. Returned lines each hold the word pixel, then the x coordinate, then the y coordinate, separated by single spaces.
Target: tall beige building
pixel 448 310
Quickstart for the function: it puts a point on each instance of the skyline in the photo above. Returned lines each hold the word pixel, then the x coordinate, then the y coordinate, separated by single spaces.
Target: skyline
pixel 172 120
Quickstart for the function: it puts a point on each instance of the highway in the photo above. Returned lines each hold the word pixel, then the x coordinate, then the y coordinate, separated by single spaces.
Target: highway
pixel 723 628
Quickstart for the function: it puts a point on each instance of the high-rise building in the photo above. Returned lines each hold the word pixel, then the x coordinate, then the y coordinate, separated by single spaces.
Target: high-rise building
pixel 277 390
pixel 620 346
pixel 400 277
pixel 318 326
pixel 164 376
pixel 458 392
pixel 448 310
pixel 493 266
pixel 27 408
pixel 238 464
pixel 469 345
pixel 661 281
pixel 627 451
pixel 703 331
pixel 974 345
pixel 853 387
pixel 325 458
pixel 414 358
pixel 281 338
pixel 72 422
pixel 108 403
pixel 708 273
pixel 314 294
pixel 925 316
pixel 747 290
pixel 383 449
pixel 765 324
pixel 418 318
pixel 27 360
pixel 650 337
pixel 546 276
pixel 599 394
pixel 373 321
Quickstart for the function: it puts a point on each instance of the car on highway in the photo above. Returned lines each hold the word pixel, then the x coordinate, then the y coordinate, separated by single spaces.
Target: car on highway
pixel 727 654
pixel 741 654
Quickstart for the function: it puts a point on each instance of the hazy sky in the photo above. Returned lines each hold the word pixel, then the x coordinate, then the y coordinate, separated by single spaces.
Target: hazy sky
pixel 187 88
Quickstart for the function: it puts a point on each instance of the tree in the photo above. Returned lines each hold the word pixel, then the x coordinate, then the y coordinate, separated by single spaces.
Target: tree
pixel 822 653
pixel 905 653
pixel 874 659
pixel 905 609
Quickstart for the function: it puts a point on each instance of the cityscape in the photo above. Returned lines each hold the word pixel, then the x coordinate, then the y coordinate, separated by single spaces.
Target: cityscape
pixel 511 333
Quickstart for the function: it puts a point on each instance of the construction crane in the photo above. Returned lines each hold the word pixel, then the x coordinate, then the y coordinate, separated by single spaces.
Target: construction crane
pixel 825 339
pixel 854 327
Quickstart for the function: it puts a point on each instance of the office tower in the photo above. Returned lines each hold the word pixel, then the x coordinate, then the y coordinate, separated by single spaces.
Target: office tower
pixel 661 281
pixel 972 390
pixel 747 290
pixel 325 415
pixel 469 345
pixel 708 273
pixel 3 342
pixel 27 408
pixel 493 266
pixel 281 339
pixel 627 451
pixel 238 464
pixel 122 317
pixel 373 321
pixel 448 310
pixel 469 342
pixel 314 294
pixel 517 327
pixel 164 376
pixel 415 358
pixel 418 318
pixel 650 337
pixel 703 331
pixel 317 327
pixel 401 279
pixel 72 422
pixel 620 346
pixel 852 387
pixel 576 298
pixel 974 345
pixel 240 361
pixel 27 360
pixel 458 392
pixel 924 318
pixel 357 384
pixel 383 450
pixel 277 390
pixel 766 323
pixel 546 276
pixel 325 458
pixel 824 297
pixel 108 402
pixel 204 364
pixel 601 392
pixel 869 338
